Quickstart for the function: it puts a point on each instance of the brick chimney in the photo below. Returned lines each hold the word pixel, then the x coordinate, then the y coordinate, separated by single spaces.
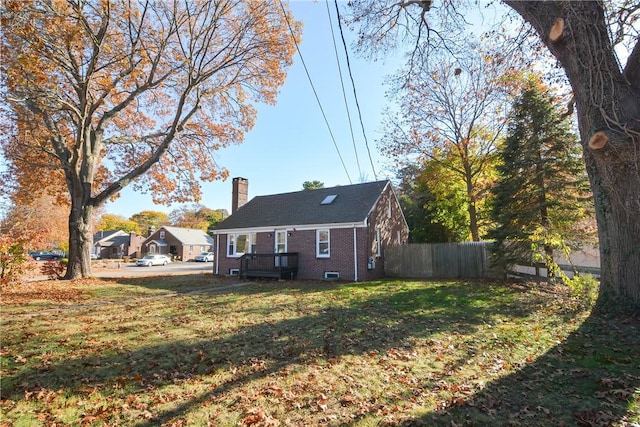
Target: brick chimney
pixel 239 193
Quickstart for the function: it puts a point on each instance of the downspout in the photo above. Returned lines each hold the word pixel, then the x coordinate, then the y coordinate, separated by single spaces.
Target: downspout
pixel 217 254
pixel 355 253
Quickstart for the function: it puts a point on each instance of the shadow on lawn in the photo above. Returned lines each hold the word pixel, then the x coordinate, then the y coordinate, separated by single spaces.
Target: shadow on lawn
pixel 375 324
pixel 589 379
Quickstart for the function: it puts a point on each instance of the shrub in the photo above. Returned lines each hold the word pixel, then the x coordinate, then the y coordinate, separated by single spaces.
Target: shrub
pixel 13 260
pixel 583 288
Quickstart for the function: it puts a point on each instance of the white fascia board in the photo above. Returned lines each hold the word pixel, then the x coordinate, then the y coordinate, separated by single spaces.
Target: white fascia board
pixel 292 228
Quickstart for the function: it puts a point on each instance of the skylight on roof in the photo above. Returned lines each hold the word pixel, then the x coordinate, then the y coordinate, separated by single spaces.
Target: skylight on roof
pixel 329 199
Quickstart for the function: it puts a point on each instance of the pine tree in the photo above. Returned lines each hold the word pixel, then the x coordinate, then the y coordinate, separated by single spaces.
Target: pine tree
pixel 542 191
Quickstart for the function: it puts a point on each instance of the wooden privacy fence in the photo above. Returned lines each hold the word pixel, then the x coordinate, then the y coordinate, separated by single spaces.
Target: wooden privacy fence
pixel 468 260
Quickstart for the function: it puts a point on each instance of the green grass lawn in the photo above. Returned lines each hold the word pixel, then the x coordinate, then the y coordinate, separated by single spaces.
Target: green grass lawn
pixel 196 350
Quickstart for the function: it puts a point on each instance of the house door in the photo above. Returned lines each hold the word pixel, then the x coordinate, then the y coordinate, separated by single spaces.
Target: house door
pixel 280 247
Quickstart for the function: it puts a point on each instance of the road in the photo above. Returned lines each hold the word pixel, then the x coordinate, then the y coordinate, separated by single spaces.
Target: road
pixel 116 269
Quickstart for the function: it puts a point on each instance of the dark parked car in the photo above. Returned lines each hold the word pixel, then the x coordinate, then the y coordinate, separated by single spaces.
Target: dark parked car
pixel 45 256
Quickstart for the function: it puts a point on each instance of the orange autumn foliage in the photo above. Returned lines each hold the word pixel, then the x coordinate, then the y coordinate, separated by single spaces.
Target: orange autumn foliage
pixel 101 95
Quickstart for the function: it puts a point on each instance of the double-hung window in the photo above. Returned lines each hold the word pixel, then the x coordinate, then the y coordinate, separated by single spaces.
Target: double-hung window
pixel 239 244
pixel 322 243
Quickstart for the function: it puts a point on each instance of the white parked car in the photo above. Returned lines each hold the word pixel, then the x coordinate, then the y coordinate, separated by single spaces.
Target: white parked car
pixel 205 257
pixel 149 260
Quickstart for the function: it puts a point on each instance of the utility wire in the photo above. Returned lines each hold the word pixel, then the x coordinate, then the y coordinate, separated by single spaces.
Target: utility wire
pixel 284 12
pixel 344 93
pixel 355 95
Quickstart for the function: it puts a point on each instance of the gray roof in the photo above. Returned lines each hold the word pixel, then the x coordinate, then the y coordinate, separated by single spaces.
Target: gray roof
pixel 352 204
pixel 108 235
pixel 117 241
pixel 189 236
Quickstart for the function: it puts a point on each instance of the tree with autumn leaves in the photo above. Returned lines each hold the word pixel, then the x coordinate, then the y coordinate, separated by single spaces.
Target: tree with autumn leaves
pixel 101 95
pixel 449 121
pixel 597 46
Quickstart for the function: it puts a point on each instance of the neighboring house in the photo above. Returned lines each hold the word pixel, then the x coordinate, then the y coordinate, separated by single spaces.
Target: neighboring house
pixel 116 244
pixel 338 232
pixel 180 243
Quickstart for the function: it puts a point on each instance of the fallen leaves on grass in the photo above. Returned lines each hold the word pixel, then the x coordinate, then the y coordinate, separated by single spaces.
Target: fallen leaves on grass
pixel 258 417
pixel 55 291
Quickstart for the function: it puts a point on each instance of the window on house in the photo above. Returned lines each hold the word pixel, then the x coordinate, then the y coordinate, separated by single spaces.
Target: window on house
pixel 378 244
pixel 254 240
pixel 329 199
pixel 231 245
pixel 239 244
pixel 280 241
pixel 322 243
pixel 190 249
pixel 399 237
pixel 388 208
pixel 162 235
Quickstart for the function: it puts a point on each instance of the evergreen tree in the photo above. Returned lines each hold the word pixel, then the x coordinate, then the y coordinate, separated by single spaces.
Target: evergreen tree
pixel 542 191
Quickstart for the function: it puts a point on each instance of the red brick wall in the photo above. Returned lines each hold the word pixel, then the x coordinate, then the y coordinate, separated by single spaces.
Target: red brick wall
pixel 389 227
pixel 224 263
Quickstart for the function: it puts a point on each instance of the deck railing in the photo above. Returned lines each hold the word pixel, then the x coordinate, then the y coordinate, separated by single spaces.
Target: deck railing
pixel 281 265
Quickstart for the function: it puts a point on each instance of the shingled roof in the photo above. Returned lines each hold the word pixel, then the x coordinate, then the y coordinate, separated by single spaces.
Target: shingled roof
pixel 352 204
pixel 189 236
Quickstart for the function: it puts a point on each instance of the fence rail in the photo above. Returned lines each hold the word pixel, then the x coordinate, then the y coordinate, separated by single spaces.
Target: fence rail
pixel 539 271
pixel 280 265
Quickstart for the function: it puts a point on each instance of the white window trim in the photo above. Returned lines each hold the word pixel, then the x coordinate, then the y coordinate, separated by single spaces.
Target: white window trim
pixel 236 254
pixel 378 243
pixel 318 254
pixel 162 235
pixel 275 240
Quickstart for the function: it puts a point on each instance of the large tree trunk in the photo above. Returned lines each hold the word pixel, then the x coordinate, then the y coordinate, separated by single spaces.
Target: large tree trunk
pixel 615 182
pixel 608 105
pixel 80 241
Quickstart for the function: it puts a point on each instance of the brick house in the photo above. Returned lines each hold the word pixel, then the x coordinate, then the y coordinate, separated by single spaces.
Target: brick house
pixel 338 232
pixel 181 244
pixel 116 244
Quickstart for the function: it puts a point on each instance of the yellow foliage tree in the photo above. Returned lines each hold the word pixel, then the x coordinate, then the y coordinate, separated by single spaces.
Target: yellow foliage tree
pixel 596 45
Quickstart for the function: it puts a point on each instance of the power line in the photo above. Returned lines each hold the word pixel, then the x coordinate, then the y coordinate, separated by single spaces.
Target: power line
pixel 306 70
pixel 355 95
pixel 344 93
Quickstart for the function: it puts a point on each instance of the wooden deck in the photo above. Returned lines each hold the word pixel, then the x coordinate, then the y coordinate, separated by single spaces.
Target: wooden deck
pixel 278 266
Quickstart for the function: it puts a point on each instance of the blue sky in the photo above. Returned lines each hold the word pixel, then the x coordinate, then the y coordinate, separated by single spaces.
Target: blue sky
pixel 291 143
